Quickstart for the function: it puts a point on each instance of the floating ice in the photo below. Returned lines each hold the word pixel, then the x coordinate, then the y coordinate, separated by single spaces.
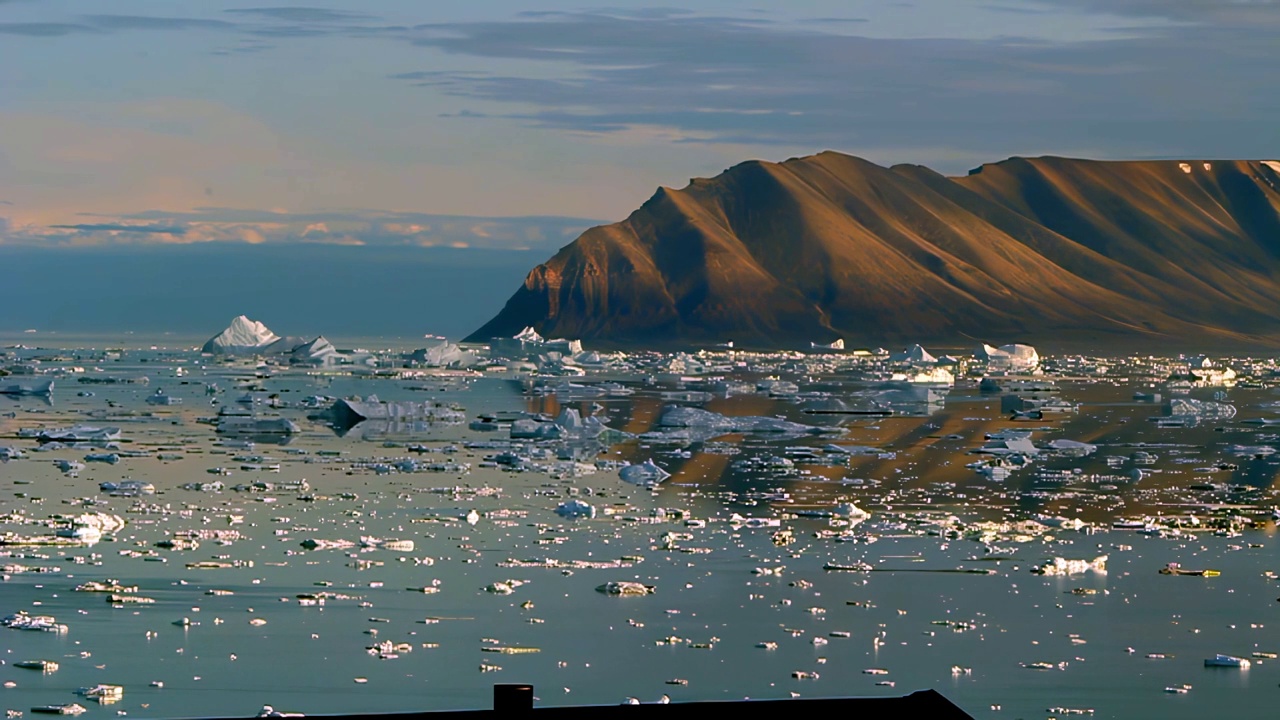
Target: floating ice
pixel 645 473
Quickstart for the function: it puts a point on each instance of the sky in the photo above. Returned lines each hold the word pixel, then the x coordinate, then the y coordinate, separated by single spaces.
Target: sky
pixel 505 124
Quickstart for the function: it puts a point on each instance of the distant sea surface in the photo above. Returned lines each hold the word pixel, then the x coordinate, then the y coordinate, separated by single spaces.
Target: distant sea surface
pixel 188 293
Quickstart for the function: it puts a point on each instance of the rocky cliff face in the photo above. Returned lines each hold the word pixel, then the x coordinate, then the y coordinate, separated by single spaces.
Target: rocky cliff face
pixel 832 246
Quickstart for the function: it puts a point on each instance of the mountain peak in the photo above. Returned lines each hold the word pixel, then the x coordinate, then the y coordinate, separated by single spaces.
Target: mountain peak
pixel 832 244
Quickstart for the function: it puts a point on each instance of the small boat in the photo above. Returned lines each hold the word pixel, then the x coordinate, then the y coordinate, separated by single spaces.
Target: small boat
pixel 1230 661
pixel 41 665
pixel 1174 568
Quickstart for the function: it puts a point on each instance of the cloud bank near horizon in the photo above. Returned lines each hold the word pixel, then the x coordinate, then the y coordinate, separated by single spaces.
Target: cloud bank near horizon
pixel 353 228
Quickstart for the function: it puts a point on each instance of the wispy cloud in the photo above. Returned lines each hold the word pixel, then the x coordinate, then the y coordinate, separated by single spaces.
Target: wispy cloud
pixel 1215 12
pixel 270 21
pixel 1154 88
pixel 356 227
pixel 42 29
pixel 122 228
pixel 302 14
pixel 145 22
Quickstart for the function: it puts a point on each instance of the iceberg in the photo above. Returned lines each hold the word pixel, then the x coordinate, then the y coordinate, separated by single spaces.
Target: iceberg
pixel 160 397
pixel 646 473
pixel 914 355
pixel 43 388
pixel 841 510
pixel 373 416
pixel 576 509
pixel 1011 358
pixel 937 377
pixel 1062 566
pixel 849 510
pixel 79 433
pixel 528 335
pixel 1072 448
pixel 68 466
pixel 1010 446
pixel 528 342
pixel 250 425
pixel 696 418
pixel 242 335
pixel 347 412
pixel 569 425
pixel 907 395
pixel 443 354
pixel 625 587
pixel 572 424
pixel 838 406
pixel 1231 661
pixel 128 488
pixel 315 352
pixel 1182 407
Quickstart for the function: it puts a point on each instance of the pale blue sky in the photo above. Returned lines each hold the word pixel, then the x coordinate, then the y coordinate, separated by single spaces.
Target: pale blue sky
pixel 384 121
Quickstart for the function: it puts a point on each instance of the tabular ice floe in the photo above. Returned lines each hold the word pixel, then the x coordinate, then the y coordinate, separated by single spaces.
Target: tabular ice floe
pixel 818 484
pixel 102 693
pixel 38 623
pixel 1229 661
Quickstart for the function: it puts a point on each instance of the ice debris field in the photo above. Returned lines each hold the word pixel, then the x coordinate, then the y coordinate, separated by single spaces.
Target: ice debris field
pixel 267 520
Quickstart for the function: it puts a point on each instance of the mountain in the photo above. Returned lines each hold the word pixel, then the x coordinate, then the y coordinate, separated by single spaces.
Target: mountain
pixel 832 246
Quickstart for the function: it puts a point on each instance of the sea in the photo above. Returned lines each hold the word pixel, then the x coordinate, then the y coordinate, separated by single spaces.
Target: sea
pixel 763 585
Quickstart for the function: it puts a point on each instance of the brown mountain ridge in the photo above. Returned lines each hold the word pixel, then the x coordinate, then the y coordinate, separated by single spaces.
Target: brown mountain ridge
pixel 832 246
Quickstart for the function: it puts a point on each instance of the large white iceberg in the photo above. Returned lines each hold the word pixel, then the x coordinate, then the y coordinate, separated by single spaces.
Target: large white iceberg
pixel 1013 358
pixel 443 354
pixel 528 335
pixel 242 335
pixel 1191 408
pixel 316 352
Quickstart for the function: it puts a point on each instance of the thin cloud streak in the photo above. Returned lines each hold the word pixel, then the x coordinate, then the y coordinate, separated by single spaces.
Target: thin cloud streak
pixel 362 227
